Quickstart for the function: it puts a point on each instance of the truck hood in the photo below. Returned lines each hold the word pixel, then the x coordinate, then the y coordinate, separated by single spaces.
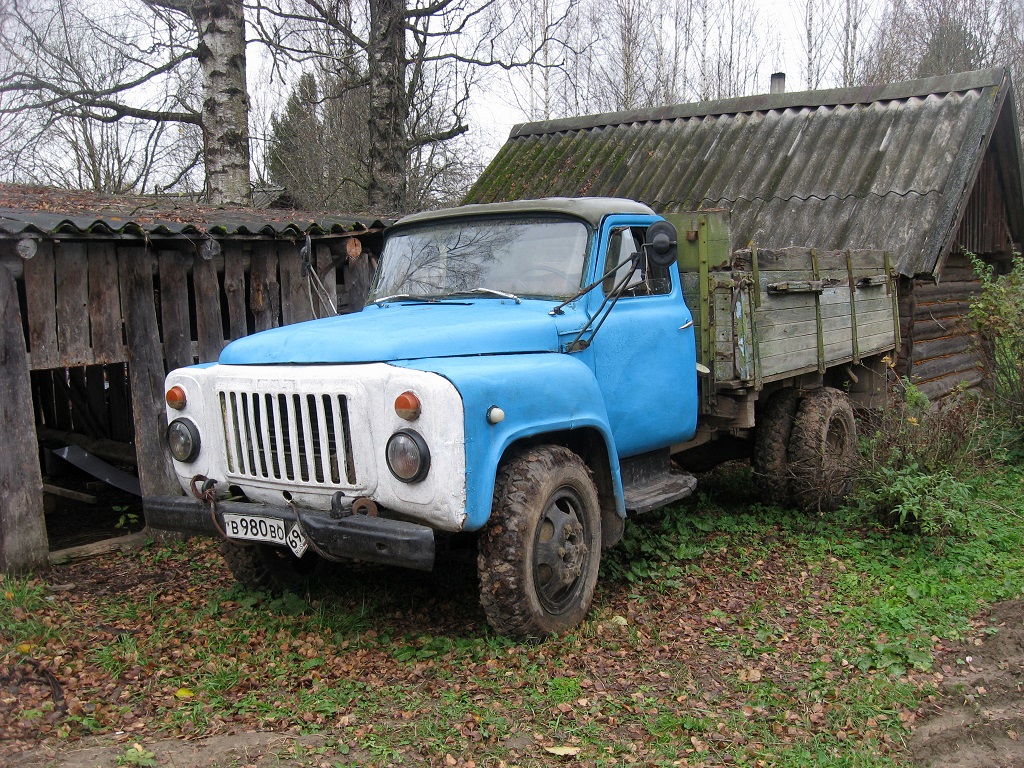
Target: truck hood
pixel 405 331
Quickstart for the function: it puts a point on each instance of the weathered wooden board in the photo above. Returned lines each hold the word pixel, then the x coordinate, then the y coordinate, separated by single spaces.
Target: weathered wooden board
pixel 942 347
pixel 72 283
pixel 105 305
pixel 264 290
pixel 209 324
pixel 771 317
pixel 146 372
pixel 941 366
pixel 936 389
pixel 937 328
pixel 295 305
pixel 929 293
pixel 798 259
pixel 943 309
pixel 174 310
pixel 329 278
pixel 834 337
pixel 234 289
pixel 358 281
pixel 41 304
pixel 23 544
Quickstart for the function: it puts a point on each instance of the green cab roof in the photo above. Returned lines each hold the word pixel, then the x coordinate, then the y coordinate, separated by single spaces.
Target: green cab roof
pixel 590 209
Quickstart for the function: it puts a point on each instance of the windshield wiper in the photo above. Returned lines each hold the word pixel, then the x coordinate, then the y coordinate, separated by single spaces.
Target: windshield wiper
pixel 494 292
pixel 409 296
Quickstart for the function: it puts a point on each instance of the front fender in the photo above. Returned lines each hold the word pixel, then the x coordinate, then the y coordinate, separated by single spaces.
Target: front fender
pixel 539 393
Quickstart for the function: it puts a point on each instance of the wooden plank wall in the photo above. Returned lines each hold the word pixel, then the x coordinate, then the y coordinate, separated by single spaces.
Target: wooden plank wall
pixel 104 320
pixel 939 350
pixel 73 302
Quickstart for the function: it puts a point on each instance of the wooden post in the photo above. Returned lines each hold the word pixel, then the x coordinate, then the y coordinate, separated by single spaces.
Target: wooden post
pixel 234 289
pixel 264 290
pixel 146 372
pixel 209 325
pixel 174 309
pixel 41 301
pixel 23 544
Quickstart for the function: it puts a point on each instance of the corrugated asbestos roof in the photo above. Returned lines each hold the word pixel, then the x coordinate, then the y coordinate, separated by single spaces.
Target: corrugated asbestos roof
pixel 27 211
pixel 884 167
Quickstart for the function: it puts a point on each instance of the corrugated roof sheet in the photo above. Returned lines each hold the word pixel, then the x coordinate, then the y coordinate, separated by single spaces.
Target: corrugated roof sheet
pixel 872 167
pixel 28 210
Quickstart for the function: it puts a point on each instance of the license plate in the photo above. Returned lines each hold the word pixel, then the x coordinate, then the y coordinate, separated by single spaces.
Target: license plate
pixel 270 530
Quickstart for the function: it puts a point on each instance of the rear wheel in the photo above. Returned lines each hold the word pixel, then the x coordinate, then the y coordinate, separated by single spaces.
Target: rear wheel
pixel 539 555
pixel 823 450
pixel 264 568
pixel 771 447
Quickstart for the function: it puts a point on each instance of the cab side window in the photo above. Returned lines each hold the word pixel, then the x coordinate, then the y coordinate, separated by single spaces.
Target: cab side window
pixel 647 280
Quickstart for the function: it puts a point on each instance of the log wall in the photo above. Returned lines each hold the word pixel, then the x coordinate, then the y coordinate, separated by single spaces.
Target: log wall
pixel 102 321
pixel 939 350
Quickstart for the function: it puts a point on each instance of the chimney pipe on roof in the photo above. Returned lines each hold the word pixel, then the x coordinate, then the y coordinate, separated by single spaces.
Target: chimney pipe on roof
pixel 778 82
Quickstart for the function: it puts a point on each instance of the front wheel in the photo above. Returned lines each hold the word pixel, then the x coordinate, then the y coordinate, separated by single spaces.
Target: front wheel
pixel 539 555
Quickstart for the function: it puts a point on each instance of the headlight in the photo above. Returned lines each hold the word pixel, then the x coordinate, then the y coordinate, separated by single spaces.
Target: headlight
pixel 183 440
pixel 408 457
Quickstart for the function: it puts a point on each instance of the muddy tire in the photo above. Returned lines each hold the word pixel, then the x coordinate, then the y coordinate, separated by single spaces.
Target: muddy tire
pixel 770 461
pixel 539 555
pixel 823 450
pixel 274 570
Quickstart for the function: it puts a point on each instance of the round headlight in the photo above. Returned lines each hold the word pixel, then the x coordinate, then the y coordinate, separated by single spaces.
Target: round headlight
pixel 183 440
pixel 408 457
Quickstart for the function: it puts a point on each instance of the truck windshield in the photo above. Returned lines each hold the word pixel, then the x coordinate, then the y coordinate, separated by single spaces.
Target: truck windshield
pixel 539 257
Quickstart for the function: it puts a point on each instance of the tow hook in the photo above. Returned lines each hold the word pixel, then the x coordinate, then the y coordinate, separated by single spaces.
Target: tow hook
pixel 205 489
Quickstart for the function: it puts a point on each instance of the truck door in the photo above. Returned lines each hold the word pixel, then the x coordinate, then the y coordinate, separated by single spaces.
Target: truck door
pixel 644 355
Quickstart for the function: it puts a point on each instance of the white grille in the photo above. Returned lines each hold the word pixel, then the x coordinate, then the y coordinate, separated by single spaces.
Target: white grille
pixel 289 437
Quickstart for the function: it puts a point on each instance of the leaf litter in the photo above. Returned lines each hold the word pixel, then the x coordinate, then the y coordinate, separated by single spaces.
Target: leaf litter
pixel 740 661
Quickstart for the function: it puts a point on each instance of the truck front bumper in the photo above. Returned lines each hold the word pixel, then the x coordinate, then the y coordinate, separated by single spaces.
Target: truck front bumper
pixel 358 537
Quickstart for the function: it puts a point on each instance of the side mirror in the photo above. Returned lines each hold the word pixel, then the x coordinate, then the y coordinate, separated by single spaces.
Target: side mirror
pixel 661 243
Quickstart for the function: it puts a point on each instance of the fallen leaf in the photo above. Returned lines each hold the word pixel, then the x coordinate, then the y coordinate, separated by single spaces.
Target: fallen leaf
pixel 563 751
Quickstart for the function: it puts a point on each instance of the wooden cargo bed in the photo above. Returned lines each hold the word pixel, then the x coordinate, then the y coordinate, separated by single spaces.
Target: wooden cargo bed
pixel 765 315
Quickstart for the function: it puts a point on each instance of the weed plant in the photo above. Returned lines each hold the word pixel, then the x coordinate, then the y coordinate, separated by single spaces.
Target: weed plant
pixel 997 314
pixel 918 459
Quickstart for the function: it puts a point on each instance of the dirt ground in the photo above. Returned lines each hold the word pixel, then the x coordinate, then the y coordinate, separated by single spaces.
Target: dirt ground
pixel 976 721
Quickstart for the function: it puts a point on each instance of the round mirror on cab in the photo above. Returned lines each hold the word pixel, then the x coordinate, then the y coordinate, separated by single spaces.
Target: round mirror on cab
pixel 661 243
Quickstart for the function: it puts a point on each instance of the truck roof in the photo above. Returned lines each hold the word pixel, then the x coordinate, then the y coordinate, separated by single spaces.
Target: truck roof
pixel 590 209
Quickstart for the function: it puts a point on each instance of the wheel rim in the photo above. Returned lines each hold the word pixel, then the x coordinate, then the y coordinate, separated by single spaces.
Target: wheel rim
pixel 561 554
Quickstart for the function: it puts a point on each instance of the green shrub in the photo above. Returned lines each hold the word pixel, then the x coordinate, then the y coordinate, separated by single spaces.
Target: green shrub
pixel 917 457
pixel 997 314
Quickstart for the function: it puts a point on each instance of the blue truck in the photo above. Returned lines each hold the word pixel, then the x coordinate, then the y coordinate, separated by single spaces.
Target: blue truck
pixel 532 372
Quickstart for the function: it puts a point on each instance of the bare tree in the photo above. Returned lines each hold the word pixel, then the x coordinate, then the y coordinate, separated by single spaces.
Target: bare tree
pixel 74 66
pixel 418 60
pixel 919 38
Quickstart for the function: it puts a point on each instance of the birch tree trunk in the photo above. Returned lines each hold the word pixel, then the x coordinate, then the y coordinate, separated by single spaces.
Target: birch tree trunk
pixel 220 25
pixel 389 107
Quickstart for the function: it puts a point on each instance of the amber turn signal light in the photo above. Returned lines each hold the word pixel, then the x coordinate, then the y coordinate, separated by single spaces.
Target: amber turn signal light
pixel 176 398
pixel 407 406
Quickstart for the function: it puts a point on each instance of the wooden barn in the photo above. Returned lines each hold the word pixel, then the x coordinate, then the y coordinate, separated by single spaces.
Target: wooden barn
pixel 926 169
pixel 101 296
